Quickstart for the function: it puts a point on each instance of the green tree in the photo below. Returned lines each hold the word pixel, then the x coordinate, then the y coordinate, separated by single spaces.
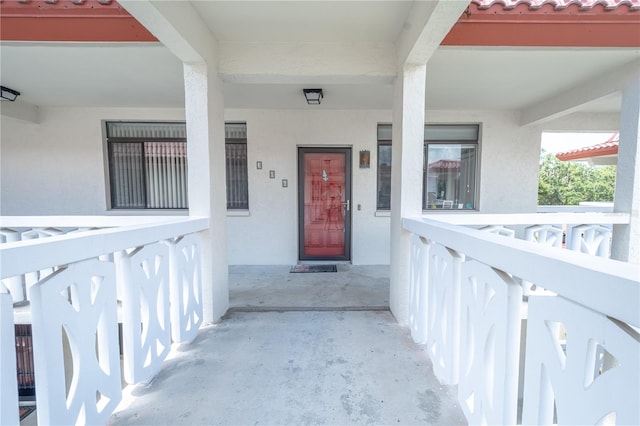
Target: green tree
pixel 568 183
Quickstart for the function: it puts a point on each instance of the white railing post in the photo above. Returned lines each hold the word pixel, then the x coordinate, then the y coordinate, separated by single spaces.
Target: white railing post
pixel 186 288
pixel 33 277
pixel 443 329
pixel 143 277
pixel 8 369
pixel 14 284
pixel 418 290
pixel 489 345
pixel 76 305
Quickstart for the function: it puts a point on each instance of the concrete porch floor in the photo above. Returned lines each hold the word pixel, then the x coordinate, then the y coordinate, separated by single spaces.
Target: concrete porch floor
pixel 274 286
pixel 322 358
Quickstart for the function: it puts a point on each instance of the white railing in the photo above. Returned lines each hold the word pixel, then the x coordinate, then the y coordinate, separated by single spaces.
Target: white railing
pixel 579 361
pixel 22 228
pixel 589 233
pixel 151 268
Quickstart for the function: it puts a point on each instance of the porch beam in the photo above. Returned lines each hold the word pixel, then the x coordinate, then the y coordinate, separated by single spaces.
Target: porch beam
pixel 427 24
pixel 626 237
pixel 569 101
pixel 406 178
pixel 21 111
pixel 176 25
pixel 298 62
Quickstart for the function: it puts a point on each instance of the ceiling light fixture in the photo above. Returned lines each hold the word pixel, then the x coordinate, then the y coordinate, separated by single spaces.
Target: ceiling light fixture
pixel 313 96
pixel 8 94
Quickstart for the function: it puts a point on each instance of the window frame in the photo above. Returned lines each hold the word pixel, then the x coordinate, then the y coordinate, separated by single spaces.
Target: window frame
pixel 426 143
pixel 110 172
pixel 452 141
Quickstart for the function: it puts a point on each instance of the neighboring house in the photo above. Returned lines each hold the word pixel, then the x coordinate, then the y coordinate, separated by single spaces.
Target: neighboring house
pixel 601 154
pixel 198 109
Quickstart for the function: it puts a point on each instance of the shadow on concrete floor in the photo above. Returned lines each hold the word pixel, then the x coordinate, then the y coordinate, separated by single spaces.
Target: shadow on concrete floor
pixel 296 368
pixel 269 287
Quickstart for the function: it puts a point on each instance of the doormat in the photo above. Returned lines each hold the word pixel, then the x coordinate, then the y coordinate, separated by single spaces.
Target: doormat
pixel 297 269
pixel 26 410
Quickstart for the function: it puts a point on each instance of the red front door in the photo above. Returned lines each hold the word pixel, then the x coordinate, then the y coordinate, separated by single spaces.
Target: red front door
pixel 325 198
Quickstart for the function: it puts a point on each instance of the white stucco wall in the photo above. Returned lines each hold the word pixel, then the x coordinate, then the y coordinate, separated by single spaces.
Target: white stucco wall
pixel 271 228
pixel 57 167
pixel 508 159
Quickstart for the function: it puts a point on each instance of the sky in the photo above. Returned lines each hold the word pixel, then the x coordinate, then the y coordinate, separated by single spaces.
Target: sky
pixel 553 142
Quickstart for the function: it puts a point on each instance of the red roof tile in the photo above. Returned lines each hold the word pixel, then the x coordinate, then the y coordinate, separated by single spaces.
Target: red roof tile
pixel 69 20
pixel 558 4
pixel 610 147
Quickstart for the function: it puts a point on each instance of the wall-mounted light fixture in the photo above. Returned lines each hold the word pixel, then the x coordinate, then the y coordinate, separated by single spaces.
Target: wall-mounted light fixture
pixel 8 94
pixel 313 96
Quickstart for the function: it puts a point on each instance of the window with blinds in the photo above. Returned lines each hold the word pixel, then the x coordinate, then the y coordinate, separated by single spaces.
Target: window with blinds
pixel 148 165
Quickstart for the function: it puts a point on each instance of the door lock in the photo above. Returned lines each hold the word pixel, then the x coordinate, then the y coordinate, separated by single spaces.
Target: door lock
pixel 346 205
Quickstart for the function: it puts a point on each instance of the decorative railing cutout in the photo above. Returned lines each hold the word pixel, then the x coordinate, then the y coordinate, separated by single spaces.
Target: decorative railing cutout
pixel 418 297
pixel 570 375
pixel 81 299
pixel 185 288
pixel 143 277
pixel 443 312
pixel 489 344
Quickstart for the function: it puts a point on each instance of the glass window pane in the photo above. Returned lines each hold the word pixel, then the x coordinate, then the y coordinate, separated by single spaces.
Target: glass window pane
pixel 449 176
pixel 384 177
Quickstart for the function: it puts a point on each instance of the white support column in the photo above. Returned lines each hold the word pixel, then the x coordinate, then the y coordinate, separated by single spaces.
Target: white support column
pixel 626 238
pixel 204 111
pixel 406 178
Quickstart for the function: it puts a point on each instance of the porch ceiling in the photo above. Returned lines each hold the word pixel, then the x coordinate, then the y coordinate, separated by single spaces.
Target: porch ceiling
pixel 356 37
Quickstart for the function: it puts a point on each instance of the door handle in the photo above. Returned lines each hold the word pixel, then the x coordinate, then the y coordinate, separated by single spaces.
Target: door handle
pixel 346 205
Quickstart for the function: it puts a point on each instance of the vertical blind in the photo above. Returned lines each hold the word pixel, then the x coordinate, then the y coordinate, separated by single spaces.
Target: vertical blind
pixel 148 164
pixel 127 175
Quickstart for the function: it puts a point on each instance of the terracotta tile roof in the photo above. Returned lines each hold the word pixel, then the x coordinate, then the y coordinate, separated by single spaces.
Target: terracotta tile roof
pixel 548 23
pixel 558 4
pixel 610 147
pixel 445 164
pixel 69 20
